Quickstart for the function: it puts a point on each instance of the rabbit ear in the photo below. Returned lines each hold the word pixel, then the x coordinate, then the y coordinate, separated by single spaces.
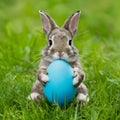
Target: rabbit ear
pixel 72 22
pixel 47 22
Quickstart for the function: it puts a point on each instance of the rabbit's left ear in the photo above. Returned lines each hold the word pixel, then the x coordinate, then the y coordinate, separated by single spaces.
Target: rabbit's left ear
pixel 47 22
pixel 72 22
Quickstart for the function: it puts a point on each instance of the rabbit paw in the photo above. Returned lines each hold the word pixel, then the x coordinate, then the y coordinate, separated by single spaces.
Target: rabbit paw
pixel 44 79
pixel 82 98
pixel 78 76
pixel 34 97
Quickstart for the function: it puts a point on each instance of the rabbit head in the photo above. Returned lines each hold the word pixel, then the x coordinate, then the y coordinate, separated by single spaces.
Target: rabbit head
pixel 60 39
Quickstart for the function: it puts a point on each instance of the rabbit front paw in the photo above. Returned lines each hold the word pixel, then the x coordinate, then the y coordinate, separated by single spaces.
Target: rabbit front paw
pixel 78 76
pixel 44 78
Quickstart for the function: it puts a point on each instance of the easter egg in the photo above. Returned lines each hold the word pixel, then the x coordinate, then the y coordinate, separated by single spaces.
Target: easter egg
pixel 59 88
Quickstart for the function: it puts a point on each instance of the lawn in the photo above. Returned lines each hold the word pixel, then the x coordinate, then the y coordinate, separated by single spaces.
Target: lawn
pixel 21 42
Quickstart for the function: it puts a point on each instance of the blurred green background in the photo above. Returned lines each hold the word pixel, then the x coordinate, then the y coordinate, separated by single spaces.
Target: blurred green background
pixel 98 42
pixel 98 18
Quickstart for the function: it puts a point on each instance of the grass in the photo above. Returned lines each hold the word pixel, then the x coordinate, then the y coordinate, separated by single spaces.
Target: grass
pixel 22 39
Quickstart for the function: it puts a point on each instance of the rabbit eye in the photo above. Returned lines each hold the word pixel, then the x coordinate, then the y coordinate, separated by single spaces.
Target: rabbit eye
pixel 50 42
pixel 70 42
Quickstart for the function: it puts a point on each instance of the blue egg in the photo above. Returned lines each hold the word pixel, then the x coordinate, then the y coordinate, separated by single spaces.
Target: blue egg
pixel 59 88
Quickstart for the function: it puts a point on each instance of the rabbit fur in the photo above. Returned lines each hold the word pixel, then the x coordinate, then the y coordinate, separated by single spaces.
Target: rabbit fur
pixel 60 46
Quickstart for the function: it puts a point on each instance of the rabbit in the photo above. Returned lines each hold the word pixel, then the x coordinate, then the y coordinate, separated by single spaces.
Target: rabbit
pixel 60 46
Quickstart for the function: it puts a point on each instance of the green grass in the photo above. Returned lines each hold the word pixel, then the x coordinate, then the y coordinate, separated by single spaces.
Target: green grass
pixel 22 39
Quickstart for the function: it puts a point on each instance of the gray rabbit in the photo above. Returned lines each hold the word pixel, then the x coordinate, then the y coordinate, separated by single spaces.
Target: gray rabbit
pixel 60 46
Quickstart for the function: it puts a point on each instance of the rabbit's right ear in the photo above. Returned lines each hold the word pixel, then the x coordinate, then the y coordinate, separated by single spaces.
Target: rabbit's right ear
pixel 72 22
pixel 47 22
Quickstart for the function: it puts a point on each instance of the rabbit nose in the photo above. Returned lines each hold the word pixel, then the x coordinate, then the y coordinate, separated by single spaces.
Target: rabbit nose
pixel 60 54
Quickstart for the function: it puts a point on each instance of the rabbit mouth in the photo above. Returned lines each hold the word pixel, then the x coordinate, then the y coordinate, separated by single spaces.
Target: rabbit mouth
pixel 63 55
